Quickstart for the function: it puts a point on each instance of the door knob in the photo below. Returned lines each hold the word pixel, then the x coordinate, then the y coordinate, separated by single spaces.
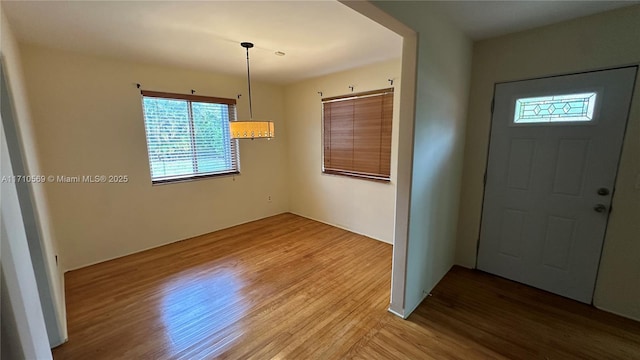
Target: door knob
pixel 603 191
pixel 600 208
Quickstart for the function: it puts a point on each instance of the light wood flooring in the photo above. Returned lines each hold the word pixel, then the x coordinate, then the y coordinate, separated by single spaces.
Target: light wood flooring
pixel 287 287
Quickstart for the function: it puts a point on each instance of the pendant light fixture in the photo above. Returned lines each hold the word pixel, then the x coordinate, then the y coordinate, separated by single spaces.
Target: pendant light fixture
pixel 250 129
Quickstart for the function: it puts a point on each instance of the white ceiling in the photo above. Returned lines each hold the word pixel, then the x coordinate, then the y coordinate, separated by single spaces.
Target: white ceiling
pixel 318 37
pixel 486 19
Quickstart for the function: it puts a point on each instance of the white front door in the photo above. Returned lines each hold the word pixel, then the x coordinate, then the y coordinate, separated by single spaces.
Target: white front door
pixel 553 157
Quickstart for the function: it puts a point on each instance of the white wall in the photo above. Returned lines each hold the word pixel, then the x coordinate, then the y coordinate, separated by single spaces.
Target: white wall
pixel 22 317
pixel 24 330
pixel 34 205
pixel 88 120
pixel 600 41
pixel 362 206
pixel 443 71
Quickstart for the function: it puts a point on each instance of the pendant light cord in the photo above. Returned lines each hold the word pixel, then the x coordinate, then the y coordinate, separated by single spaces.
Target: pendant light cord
pixel 249 82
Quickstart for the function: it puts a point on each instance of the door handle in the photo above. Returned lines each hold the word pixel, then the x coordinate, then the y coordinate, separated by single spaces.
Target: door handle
pixel 600 208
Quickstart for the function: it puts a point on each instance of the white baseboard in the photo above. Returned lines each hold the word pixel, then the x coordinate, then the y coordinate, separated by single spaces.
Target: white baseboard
pixel 342 227
pixel 167 243
pixel 616 313
pixel 395 313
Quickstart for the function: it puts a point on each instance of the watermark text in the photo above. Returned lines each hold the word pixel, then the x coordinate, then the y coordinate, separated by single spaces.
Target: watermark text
pixel 65 179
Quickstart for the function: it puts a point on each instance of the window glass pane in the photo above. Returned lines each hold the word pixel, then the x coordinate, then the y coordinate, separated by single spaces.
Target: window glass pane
pixel 168 137
pixel 555 108
pixel 211 127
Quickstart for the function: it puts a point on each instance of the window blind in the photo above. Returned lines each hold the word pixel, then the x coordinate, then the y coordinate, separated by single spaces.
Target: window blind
pixel 357 134
pixel 188 136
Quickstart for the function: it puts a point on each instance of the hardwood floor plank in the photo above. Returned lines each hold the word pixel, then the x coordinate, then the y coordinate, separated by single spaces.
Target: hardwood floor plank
pixel 287 287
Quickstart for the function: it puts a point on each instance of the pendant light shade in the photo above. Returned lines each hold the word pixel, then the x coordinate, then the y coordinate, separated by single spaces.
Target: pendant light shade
pixel 249 129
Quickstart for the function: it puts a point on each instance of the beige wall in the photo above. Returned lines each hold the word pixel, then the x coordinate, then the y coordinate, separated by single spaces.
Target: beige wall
pixel 50 274
pixel 362 206
pixel 605 40
pixel 442 87
pixel 88 121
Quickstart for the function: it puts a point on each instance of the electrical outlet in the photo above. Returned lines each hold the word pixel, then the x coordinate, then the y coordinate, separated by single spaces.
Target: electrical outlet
pixel 269 198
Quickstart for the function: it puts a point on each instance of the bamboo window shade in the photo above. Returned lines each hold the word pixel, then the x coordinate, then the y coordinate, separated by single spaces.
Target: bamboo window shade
pixel 357 134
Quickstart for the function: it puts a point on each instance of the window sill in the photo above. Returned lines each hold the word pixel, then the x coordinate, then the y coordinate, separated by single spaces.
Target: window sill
pixel 370 177
pixel 179 179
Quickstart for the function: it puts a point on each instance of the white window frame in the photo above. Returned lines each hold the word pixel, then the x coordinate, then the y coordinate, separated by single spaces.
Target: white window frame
pixel 232 148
